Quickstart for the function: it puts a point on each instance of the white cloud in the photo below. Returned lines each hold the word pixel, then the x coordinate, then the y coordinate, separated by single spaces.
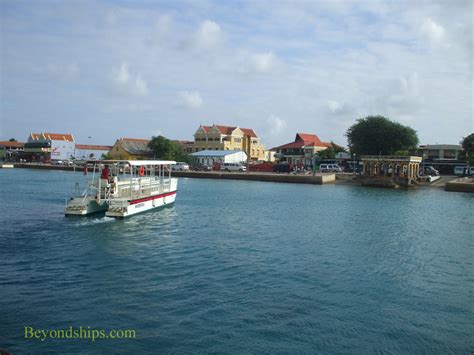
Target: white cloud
pixel 246 62
pixel 190 99
pixel 128 83
pixel 276 129
pixel 334 106
pixel 315 64
pixel 209 35
pixel 410 86
pixel 264 62
pixel 433 31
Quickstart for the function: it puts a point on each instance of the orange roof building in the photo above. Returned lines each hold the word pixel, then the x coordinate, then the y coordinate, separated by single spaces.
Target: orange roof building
pixel 12 145
pixel 54 146
pixel 300 152
pixel 220 137
pixel 67 137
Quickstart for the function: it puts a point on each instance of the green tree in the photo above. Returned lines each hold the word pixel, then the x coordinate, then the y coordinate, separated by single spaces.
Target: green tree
pixel 330 152
pixel 12 140
pixel 468 148
pixel 379 135
pixel 165 149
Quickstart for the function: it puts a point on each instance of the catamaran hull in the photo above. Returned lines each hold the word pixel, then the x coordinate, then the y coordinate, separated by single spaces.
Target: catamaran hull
pixel 84 207
pixel 141 205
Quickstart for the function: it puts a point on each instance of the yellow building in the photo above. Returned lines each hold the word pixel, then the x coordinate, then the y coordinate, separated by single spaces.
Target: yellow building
pixel 130 149
pixel 218 137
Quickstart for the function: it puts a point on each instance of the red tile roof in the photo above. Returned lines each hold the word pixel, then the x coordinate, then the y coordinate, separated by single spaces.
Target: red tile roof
pixel 249 132
pixel 12 144
pixel 93 147
pixel 53 136
pixel 135 140
pixel 320 144
pixel 304 139
pixel 229 129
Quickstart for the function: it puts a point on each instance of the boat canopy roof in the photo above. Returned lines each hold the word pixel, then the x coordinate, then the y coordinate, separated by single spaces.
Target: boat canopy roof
pixel 135 162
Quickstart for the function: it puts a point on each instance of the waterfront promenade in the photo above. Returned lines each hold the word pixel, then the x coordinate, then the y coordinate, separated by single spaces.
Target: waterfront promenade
pixel 318 179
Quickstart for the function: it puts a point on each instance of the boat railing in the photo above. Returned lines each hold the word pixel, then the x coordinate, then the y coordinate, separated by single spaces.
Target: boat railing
pixel 138 188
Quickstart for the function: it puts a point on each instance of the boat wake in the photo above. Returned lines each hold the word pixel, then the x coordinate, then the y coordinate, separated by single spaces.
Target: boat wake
pixel 92 221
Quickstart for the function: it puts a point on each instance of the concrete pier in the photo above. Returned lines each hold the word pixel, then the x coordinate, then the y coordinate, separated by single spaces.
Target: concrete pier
pixel 318 179
pixel 461 185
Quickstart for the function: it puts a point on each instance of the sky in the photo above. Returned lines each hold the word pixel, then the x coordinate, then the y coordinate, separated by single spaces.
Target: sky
pixel 108 69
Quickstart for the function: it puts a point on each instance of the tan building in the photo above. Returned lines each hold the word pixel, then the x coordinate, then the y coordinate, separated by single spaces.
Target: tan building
pixel 390 171
pixel 186 146
pixel 218 137
pixel 131 149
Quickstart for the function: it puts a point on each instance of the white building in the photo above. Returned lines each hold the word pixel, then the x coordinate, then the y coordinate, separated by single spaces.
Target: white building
pixel 441 151
pixel 61 145
pixel 209 157
pixel 91 151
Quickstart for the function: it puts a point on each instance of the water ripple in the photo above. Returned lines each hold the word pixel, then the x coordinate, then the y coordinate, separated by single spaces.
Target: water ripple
pixel 240 266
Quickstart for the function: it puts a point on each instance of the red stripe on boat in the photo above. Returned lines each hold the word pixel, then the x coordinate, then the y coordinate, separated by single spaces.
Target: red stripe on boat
pixel 134 202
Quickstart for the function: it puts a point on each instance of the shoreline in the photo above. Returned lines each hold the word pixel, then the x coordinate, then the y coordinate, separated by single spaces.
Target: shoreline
pixel 318 179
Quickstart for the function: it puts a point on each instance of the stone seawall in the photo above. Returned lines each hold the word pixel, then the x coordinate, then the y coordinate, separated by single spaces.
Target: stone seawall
pixel 461 185
pixel 288 178
pixel 318 179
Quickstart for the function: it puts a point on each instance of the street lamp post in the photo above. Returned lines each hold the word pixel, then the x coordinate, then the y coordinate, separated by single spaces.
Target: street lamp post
pixel 316 160
pixel 354 163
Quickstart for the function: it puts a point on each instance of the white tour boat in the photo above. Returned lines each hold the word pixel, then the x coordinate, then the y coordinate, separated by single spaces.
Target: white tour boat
pixel 126 187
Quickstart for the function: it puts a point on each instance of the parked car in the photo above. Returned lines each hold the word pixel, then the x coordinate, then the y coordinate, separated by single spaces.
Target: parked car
pixel 459 170
pixel 429 170
pixel 233 167
pixel 180 166
pixel 202 167
pixel 469 171
pixel 283 168
pixel 330 168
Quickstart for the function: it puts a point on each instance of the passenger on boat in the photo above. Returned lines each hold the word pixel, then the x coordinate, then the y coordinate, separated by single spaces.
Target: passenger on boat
pixel 105 173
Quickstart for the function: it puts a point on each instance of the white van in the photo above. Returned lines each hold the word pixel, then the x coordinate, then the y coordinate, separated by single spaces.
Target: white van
pixel 233 167
pixel 180 166
pixel 330 168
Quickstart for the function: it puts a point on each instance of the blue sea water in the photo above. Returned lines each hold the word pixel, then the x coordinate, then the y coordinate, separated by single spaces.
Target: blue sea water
pixel 240 267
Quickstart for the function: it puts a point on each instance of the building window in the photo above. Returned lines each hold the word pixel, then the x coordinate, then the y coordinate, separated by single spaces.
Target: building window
pixel 433 154
pixel 237 140
pixel 449 154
